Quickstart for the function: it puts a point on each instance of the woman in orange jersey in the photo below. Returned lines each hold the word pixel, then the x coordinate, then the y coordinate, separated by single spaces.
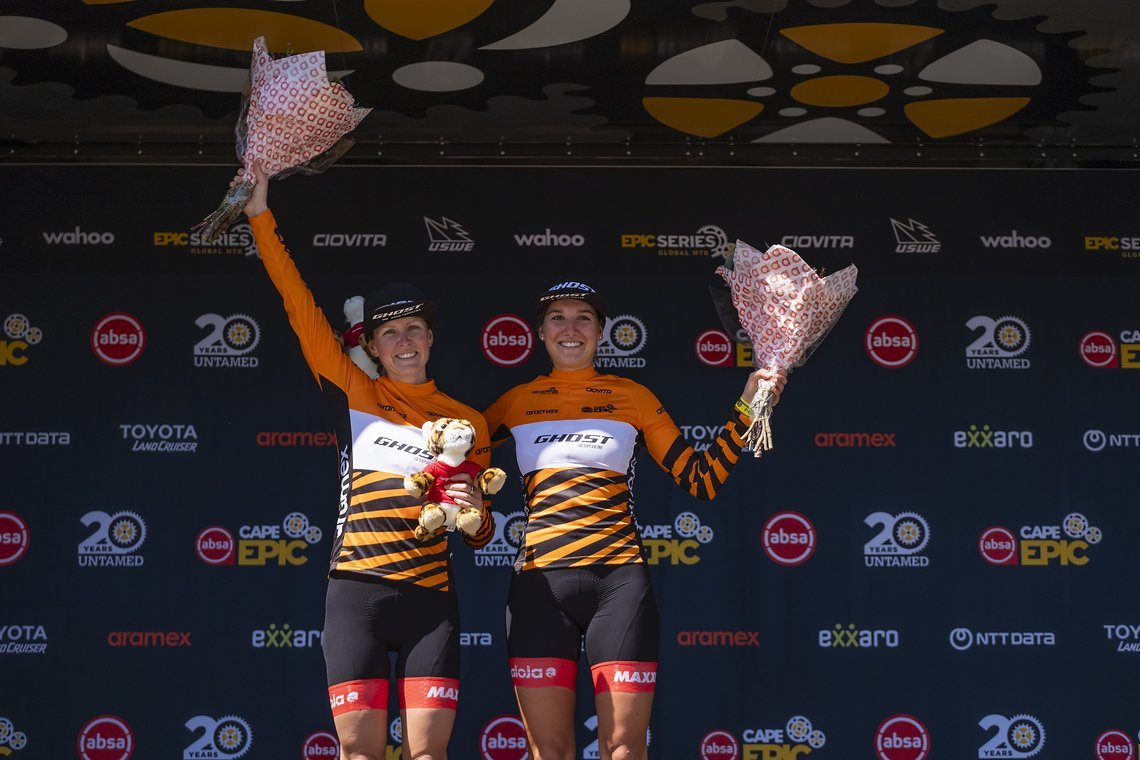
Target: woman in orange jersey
pixel 388 591
pixel 580 570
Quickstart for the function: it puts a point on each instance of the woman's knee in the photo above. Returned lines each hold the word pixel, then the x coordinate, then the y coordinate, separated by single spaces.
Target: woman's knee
pixel 624 750
pixel 552 748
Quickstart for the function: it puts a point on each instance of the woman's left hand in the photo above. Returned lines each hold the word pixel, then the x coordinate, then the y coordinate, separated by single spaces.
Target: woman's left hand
pixel 463 490
pixel 779 377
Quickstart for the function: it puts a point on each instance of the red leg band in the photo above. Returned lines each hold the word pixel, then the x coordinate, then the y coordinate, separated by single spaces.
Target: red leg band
pixel 370 694
pixel 624 676
pixel 538 672
pixel 428 692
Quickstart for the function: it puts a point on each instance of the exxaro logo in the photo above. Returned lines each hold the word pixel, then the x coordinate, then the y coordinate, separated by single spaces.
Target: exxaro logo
pixel 11 740
pixel 1063 544
pixel 238 240
pixel 228 341
pixel 227 738
pixel 914 237
pixel 448 235
pixel 986 437
pixel 851 637
pixel 998 343
pixel 962 639
pixel 19 335
pixel 286 637
pixel 709 240
pixel 550 239
pixel 623 337
pixel 163 438
pixel 797 738
pixel 23 639
pixel 899 540
pixel 677 543
pixel 1098 440
pixel 1019 737
pixel 114 541
pixel 1126 636
pixel 503 547
pixel 1015 240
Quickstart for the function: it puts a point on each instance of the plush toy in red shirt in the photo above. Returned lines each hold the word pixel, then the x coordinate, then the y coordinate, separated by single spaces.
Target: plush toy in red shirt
pixel 450 440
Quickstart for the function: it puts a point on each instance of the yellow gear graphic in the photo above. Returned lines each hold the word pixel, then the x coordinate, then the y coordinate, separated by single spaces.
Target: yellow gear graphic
pixel 816 739
pixel 16 325
pixel 1008 336
pixel 124 532
pixel 1093 535
pixel 34 335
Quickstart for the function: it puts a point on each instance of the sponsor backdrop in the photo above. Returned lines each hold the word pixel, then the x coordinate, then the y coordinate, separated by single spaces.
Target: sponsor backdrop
pixel 937 560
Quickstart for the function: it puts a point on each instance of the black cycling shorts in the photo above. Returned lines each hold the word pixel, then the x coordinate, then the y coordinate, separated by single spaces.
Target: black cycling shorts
pixel 365 620
pixel 613 606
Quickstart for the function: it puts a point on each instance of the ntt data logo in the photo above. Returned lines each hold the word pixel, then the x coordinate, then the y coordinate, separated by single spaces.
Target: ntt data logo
pixel 226 738
pixel 891 342
pixel 14 538
pixel 507 340
pixel 789 538
pixel 1098 440
pixel 1021 736
pixel 114 540
pixel 899 540
pixel 963 639
pixel 448 235
pixel 914 237
pixel 107 737
pixel 118 339
pixel 902 737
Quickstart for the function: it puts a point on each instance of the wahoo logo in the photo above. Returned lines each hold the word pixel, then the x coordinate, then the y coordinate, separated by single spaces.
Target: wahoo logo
pixel 635 676
pixel 443 692
pixel 448 235
pixel 1016 241
pixel 549 239
pixel 79 237
pixel 914 237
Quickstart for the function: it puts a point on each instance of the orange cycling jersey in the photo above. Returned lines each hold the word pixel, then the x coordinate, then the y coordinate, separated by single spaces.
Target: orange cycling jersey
pixel 576 434
pixel 377 425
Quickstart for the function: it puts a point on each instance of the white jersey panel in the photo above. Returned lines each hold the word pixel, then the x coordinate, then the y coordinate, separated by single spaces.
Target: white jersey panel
pixel 380 445
pixel 596 443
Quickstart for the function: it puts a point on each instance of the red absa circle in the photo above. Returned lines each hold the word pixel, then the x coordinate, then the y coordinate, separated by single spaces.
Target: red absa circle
pixel 215 546
pixel 13 538
pixel 902 737
pixel 995 555
pixel 504 738
pixel 719 745
pixel 106 737
pixel 118 339
pixel 778 531
pixel 900 333
pixel 320 746
pixel 507 340
pixel 714 348
pixel 1098 349
pixel 1114 744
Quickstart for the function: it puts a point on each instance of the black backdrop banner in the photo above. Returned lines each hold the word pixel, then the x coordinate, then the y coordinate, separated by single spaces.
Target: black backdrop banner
pixel 938 559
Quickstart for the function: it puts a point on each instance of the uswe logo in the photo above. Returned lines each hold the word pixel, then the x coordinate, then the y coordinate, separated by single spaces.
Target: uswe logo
pixel 228 342
pixel 448 235
pixel 998 344
pixel 914 237
pixel 226 738
pixel 1021 736
pixel 114 540
pixel 899 541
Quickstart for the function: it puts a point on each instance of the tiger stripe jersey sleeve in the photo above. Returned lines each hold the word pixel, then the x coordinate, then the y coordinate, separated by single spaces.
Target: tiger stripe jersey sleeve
pixel 702 473
pixel 323 352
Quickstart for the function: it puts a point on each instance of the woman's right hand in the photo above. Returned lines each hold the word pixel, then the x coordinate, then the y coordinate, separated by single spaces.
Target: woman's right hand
pixel 259 198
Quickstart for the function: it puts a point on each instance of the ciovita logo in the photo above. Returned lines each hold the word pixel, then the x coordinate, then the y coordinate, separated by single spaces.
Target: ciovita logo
pixel 227 738
pixel 789 538
pixel 1019 737
pixel 11 740
pixel 114 540
pixel 891 342
pixel 107 737
pixel 998 344
pixel 507 340
pixel 902 737
pixel 19 335
pixel 899 541
pixel 503 547
pixel 228 342
pixel 118 339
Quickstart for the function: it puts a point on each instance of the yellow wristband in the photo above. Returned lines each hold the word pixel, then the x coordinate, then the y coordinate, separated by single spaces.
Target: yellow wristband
pixel 743 407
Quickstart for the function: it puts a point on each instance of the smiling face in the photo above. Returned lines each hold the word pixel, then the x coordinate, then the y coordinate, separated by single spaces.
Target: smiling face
pixel 571 330
pixel 402 346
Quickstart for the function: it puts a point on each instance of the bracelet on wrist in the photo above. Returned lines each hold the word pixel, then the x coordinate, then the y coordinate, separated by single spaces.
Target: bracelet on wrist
pixel 743 407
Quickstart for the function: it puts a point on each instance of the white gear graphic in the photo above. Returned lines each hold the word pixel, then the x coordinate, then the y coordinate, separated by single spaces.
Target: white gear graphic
pixel 127 530
pixel 816 739
pixel 686 524
pixel 295 524
pixel 920 528
pixel 313 534
pixel 16 325
pixel 232 737
pixel 1026 735
pixel 1076 525
pixel 798 727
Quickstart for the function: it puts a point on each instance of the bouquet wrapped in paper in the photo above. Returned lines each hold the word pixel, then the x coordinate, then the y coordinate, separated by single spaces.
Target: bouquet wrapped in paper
pixel 786 310
pixel 293 119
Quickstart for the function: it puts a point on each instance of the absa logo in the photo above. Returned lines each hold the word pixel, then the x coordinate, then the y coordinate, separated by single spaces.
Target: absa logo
pixel 118 339
pixel 1115 745
pixel 13 538
pixel 789 538
pixel 215 546
pixel 715 348
pixel 320 746
pixel 891 342
pixel 902 737
pixel 1098 349
pixel 507 340
pixel 719 745
pixel 106 737
pixel 504 738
